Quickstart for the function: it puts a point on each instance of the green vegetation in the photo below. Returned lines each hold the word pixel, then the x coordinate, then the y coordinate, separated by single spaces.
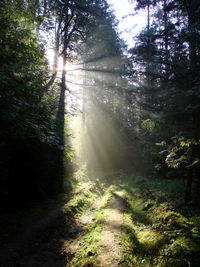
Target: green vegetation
pixel 87 195
pixel 156 232
pixel 30 159
pixel 82 199
pixel 91 239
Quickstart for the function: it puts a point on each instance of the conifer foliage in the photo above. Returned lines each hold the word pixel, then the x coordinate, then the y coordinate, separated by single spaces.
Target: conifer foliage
pixel 166 60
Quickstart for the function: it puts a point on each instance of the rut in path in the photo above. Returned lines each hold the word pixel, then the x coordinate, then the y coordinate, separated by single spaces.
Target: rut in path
pixel 110 250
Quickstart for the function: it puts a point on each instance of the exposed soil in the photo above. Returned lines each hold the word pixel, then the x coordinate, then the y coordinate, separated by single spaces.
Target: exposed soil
pixel 110 251
pixel 41 244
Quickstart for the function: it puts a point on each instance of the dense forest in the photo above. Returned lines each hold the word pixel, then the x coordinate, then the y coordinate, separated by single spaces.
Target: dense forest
pixel 129 116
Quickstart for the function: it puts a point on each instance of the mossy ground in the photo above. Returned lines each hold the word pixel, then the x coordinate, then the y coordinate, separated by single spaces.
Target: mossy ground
pixel 90 239
pixel 155 231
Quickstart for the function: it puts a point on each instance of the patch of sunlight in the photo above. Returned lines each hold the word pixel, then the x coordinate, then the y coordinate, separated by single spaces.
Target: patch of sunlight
pixel 149 238
pixel 158 236
pixel 83 197
pixel 81 175
pixel 72 140
pixel 71 66
pixel 89 241
pixel 88 245
pixel 107 198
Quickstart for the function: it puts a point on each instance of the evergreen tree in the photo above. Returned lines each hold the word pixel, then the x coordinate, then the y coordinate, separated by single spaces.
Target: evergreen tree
pixel 166 60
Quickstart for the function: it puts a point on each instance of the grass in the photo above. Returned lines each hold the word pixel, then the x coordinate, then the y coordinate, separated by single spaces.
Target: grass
pixel 90 239
pixel 89 242
pixel 173 189
pixel 84 196
pixel 154 232
pixel 87 190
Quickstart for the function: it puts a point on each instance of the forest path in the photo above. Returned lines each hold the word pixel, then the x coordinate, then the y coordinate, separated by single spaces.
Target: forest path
pixel 97 243
pixel 56 239
pixel 118 221
pixel 110 250
pixel 38 243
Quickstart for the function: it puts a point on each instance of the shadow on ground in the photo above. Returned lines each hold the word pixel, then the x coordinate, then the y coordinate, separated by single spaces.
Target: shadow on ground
pixel 42 243
pixel 149 241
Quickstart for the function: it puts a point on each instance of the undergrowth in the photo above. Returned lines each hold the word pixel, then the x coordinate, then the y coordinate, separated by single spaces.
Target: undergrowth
pixel 155 232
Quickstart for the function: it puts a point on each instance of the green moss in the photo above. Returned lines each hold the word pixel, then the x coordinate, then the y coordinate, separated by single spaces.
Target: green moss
pixel 158 235
pixel 84 196
pixel 91 239
pixel 89 243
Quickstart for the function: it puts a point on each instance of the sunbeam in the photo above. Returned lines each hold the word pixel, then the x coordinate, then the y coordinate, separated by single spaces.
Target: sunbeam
pixel 96 137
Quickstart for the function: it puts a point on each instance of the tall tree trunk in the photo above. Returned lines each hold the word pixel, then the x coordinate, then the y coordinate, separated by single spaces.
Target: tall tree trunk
pixel 56 55
pixel 166 40
pixel 61 106
pixel 148 44
pixel 188 190
pixel 60 124
pixel 193 19
pixel 83 125
pixel 191 8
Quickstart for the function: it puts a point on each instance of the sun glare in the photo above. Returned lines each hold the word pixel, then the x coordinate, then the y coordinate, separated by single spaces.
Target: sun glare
pixel 69 66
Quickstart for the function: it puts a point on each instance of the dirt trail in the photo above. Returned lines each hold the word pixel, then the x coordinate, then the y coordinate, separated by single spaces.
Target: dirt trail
pixel 109 253
pixel 38 244
pixel 42 245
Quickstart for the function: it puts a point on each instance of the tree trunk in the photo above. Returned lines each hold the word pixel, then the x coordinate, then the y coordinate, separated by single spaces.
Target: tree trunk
pixel 188 190
pixel 56 55
pixel 148 44
pixel 83 125
pixel 191 8
pixel 61 106
pixel 166 40
pixel 196 185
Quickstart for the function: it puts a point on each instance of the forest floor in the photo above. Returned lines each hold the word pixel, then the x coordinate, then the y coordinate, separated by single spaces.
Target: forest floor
pixel 111 219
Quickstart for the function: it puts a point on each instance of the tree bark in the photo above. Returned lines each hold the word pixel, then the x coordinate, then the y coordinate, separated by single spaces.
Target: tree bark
pixel 61 107
pixel 188 190
pixel 148 44
pixel 166 40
